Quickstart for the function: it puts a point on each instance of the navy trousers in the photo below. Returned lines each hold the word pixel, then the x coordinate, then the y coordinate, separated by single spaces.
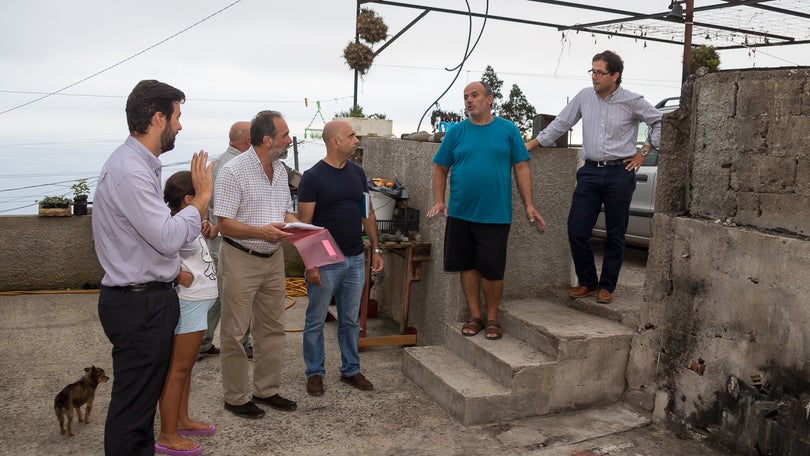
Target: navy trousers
pixel 141 328
pixel 612 186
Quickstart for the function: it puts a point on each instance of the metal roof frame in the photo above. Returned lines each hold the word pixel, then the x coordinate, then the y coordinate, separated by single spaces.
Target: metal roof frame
pixel 658 27
pixel 767 38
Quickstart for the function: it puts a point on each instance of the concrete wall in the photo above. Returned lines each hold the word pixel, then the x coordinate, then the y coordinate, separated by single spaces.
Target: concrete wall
pixel 724 335
pixel 58 252
pixel 55 253
pixel 535 260
pixel 47 253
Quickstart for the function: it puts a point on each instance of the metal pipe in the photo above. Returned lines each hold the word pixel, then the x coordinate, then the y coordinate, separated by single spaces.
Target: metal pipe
pixel 687 40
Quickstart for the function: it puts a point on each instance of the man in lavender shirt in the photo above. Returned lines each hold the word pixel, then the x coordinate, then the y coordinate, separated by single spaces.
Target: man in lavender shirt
pixel 610 117
pixel 137 243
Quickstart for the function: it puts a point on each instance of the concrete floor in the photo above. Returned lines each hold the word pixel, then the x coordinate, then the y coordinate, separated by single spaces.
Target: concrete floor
pixel 47 340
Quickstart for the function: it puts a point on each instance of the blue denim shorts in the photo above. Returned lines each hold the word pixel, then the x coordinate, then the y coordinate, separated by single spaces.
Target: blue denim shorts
pixel 193 316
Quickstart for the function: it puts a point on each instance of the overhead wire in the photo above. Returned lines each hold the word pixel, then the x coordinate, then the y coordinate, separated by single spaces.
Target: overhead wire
pixel 92 95
pixel 92 179
pixel 49 94
pixel 467 52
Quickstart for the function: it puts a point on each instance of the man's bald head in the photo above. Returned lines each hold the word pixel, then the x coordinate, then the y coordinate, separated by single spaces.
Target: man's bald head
pixel 340 140
pixel 332 130
pixel 239 136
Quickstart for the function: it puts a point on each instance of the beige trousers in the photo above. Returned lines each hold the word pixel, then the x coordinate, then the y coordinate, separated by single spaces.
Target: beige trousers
pixel 252 293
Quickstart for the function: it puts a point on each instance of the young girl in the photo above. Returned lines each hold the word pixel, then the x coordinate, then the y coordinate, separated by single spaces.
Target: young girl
pixel 197 291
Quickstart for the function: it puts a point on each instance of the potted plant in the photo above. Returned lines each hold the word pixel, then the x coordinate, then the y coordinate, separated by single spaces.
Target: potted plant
pixel 54 206
pixel 80 193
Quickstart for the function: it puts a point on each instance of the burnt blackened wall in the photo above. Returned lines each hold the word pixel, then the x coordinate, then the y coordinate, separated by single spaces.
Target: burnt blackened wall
pixel 725 339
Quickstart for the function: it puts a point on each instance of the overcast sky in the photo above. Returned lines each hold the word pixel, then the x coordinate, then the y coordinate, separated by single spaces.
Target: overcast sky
pixel 259 54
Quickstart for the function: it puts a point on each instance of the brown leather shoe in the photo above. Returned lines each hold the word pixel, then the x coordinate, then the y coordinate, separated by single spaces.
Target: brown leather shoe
pixel 581 292
pixel 604 297
pixel 358 381
pixel 315 385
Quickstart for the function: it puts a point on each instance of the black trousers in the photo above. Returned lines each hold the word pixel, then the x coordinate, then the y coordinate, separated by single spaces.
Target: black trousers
pixel 141 328
pixel 612 186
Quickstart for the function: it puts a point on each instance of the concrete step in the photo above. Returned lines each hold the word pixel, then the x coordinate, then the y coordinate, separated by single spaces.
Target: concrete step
pixel 592 352
pixel 560 331
pixel 510 361
pixel 464 391
pixel 625 308
pixel 551 359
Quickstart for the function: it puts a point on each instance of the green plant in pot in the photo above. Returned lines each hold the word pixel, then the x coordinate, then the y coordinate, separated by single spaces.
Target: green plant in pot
pixel 80 193
pixel 54 206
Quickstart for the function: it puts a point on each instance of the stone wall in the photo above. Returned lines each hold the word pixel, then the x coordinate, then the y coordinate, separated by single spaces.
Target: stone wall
pixel 724 335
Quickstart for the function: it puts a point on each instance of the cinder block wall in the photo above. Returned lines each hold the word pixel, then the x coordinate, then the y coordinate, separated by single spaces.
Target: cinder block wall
pixel 724 337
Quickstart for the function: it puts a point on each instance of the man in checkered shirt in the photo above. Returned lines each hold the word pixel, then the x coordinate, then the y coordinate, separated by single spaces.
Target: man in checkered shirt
pixel 252 201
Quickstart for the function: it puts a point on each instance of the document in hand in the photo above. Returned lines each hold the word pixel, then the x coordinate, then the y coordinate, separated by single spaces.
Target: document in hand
pixel 315 244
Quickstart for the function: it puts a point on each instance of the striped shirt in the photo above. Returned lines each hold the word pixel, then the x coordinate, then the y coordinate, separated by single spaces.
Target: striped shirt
pixel 136 237
pixel 243 193
pixel 609 127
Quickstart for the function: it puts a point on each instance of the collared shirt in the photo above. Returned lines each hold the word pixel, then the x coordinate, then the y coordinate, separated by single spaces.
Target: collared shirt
pixel 136 238
pixel 245 194
pixel 609 127
pixel 226 156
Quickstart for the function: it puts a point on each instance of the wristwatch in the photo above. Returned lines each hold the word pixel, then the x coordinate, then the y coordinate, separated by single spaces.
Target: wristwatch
pixel 645 152
pixel 378 251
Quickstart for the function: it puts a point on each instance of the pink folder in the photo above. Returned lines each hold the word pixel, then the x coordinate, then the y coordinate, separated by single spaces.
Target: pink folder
pixel 316 245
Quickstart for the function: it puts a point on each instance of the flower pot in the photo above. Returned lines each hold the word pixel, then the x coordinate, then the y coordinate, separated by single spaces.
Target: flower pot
pixel 80 206
pixel 54 211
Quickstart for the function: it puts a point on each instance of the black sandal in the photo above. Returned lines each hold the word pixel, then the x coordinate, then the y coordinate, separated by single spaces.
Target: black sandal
pixel 473 325
pixel 493 330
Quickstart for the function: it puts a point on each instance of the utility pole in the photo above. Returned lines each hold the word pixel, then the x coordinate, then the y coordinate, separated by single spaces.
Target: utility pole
pixel 687 40
pixel 357 41
pixel 295 152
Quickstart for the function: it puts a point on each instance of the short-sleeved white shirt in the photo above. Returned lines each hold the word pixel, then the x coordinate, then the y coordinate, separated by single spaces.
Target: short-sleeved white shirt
pixel 243 193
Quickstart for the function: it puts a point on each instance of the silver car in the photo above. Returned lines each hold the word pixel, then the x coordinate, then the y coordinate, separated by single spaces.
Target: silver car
pixel 642 207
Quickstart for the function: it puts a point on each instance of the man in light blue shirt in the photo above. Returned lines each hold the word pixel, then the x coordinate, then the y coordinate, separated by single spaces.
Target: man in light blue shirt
pixel 137 242
pixel 610 118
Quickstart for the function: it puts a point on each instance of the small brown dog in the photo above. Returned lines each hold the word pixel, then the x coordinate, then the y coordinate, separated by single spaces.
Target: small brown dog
pixel 77 394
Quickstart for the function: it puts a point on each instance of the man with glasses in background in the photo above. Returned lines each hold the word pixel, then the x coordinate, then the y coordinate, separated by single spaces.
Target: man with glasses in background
pixel 610 118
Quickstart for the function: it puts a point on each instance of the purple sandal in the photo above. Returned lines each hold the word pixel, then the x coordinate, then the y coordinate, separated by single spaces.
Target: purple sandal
pixel 210 431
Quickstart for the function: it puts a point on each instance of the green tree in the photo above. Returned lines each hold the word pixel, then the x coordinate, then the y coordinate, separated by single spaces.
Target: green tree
pixel 438 116
pixel 519 110
pixel 491 78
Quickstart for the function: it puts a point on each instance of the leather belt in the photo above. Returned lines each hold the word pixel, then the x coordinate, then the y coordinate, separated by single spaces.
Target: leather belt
pixel 602 164
pixel 143 287
pixel 247 250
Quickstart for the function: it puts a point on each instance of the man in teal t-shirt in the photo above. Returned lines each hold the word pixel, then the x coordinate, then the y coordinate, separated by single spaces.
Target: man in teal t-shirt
pixel 482 151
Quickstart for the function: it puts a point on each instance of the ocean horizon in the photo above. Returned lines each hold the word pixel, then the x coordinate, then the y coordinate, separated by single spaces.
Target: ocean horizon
pixel 35 171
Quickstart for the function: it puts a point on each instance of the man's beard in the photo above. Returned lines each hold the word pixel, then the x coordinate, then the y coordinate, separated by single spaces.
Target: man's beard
pixel 167 139
pixel 279 154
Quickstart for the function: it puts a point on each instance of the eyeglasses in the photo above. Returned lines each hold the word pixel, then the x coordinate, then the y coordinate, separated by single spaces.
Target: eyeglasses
pixel 599 73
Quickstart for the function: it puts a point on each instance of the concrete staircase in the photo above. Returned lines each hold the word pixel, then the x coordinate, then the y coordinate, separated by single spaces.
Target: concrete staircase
pixel 552 358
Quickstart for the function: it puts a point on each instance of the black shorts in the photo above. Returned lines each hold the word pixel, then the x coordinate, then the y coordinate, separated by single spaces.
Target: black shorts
pixel 479 246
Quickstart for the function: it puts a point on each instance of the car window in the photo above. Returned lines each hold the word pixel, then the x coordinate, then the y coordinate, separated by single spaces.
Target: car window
pixel 644 131
pixel 652 157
